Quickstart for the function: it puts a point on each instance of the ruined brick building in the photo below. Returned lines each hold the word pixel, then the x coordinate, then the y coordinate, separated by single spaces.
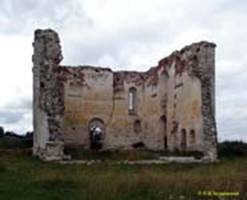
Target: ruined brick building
pixel 169 107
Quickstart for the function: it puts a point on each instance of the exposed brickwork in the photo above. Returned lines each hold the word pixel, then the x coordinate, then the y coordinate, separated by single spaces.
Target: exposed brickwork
pixel 46 59
pixel 171 100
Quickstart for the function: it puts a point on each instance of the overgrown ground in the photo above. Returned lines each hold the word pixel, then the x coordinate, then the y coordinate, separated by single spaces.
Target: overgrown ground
pixel 24 177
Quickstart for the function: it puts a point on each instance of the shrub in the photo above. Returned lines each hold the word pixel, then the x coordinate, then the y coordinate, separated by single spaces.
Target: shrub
pixel 1 131
pixel 232 148
pixel 15 142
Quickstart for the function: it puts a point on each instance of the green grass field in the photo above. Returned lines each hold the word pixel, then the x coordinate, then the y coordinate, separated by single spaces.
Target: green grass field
pixel 24 177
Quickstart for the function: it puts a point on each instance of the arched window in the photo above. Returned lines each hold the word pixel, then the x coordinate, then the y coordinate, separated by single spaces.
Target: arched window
pixel 183 139
pixel 163 129
pixel 192 137
pixel 132 101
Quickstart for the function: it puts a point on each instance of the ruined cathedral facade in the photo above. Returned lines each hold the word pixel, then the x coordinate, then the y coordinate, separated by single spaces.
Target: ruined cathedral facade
pixel 170 107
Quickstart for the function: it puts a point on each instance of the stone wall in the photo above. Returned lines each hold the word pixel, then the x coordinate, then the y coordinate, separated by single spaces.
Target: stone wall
pixel 87 97
pixel 48 101
pixel 191 97
pixel 173 102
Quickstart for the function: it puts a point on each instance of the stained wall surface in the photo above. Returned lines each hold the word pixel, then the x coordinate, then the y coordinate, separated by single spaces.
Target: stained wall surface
pixel 168 107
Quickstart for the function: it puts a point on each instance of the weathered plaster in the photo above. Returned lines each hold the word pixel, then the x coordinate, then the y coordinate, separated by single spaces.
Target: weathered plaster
pixel 174 105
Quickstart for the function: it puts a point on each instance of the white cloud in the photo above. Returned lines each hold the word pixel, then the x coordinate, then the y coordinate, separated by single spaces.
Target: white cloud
pixel 127 34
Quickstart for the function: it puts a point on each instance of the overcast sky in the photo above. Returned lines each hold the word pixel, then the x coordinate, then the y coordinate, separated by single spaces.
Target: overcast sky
pixel 125 34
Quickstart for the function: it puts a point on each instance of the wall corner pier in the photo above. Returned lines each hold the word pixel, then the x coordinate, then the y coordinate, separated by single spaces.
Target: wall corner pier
pixel 48 105
pixel 206 65
pixel 170 107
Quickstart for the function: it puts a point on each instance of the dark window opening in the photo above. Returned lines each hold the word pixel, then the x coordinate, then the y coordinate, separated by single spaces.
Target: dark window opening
pixel 192 137
pixel 165 142
pixel 175 127
pixel 183 139
pixel 138 145
pixel 137 126
pixel 42 85
pixel 163 118
pixel 163 128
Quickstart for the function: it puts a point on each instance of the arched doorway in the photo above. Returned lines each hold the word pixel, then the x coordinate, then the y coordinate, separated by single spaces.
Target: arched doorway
pixel 96 129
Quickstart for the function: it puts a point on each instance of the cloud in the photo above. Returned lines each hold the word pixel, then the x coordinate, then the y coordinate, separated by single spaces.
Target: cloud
pixel 18 122
pixel 21 104
pixel 126 34
pixel 16 115
pixel 18 16
pixel 10 117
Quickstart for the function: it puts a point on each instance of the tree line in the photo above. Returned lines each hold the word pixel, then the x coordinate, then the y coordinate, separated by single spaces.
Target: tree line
pixel 3 133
